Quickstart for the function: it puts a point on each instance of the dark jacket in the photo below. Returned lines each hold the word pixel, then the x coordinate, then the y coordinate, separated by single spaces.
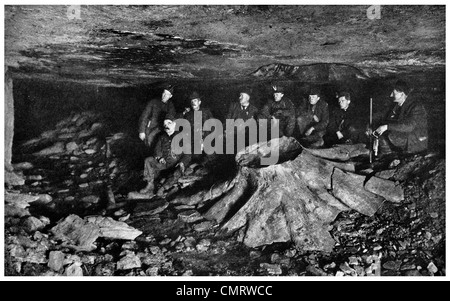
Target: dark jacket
pixel 163 149
pixel 283 110
pixel 343 121
pixel 320 109
pixel 409 120
pixel 154 114
pixel 235 111
pixel 206 114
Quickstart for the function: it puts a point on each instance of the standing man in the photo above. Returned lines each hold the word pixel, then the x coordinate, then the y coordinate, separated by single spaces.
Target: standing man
pixel 312 120
pixel 196 129
pixel 164 158
pixel 151 120
pixel 341 127
pixel 404 128
pixel 282 109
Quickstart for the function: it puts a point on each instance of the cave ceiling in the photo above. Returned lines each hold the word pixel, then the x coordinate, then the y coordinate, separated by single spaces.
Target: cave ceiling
pixel 126 45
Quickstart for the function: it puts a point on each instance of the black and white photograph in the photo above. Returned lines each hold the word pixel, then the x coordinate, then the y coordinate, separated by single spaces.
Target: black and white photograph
pixel 224 140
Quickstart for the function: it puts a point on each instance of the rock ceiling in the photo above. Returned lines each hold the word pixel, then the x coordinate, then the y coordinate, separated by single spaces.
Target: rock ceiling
pixel 124 45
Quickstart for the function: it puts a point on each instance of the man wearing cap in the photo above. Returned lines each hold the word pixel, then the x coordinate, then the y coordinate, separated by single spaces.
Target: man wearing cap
pixel 201 112
pixel 164 158
pixel 404 128
pixel 282 109
pixel 341 127
pixel 244 109
pixel 312 120
pixel 151 120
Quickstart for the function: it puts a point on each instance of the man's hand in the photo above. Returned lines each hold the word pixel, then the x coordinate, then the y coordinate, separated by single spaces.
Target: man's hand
pixel 142 136
pixel 381 129
pixel 309 131
pixel 316 119
pixel 182 167
pixel 339 135
pixel 186 110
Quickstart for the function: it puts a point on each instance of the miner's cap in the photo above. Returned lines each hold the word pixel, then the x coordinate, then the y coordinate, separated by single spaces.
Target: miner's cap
pixel 194 95
pixel 314 91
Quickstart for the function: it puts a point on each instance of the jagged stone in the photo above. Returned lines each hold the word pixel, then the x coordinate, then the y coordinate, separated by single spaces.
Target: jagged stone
pixel 74 270
pixel 14 179
pixel 56 260
pixel 77 231
pixel 33 224
pixel 112 229
pixel 129 261
pixel 386 189
pixel 14 211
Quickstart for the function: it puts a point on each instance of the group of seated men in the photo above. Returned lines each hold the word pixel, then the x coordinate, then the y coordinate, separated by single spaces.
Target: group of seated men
pixel 403 129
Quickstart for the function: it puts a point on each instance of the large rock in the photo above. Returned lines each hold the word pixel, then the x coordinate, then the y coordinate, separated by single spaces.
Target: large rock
pixel 14 179
pixel 14 211
pixel 20 200
pixel 387 189
pixel 129 261
pixel 74 270
pixel 110 228
pixel 56 260
pixel 77 232
pixel 33 224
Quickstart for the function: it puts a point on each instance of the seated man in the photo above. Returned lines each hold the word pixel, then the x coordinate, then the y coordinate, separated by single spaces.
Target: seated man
pixel 312 120
pixel 242 110
pixel 342 125
pixel 164 159
pixel 404 128
pixel 197 129
pixel 282 109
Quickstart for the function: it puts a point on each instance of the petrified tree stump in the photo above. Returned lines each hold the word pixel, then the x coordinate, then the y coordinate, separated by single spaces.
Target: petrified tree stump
pixel 295 200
